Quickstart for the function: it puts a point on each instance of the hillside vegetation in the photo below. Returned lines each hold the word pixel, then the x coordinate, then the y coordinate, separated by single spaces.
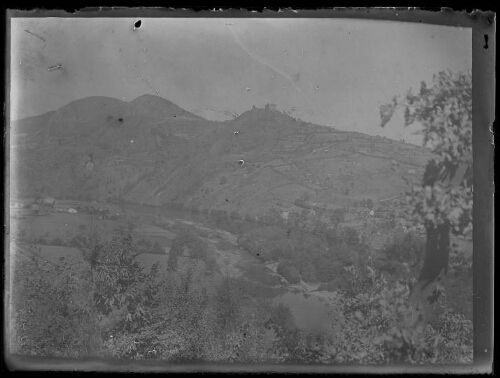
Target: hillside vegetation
pixel 245 215
pixel 153 152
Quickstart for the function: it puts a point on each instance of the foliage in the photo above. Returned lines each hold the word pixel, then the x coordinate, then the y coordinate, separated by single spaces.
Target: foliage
pixel 371 328
pixel 118 282
pixel 186 243
pixel 350 235
pixel 329 269
pixel 338 215
pixel 337 283
pixel 308 272
pixel 50 308
pixel 110 307
pixel 227 302
pixel 445 112
pixel 400 258
pixel 288 271
pixel 369 203
pixel 235 215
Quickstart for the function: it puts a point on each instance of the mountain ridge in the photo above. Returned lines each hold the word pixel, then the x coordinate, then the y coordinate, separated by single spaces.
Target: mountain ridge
pixel 150 150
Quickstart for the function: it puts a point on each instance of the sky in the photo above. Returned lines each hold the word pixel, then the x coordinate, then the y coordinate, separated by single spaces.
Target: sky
pixel 333 72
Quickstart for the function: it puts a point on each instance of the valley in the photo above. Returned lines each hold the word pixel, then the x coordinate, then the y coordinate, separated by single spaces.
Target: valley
pixel 56 231
pixel 260 217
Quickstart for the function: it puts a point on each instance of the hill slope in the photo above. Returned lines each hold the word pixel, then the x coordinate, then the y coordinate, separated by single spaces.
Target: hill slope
pixel 152 151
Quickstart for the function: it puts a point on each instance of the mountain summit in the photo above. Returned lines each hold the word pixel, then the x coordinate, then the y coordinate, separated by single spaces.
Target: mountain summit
pixel 152 151
pixel 156 106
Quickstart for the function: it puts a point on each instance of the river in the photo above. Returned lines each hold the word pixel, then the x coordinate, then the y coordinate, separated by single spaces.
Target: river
pixel 311 312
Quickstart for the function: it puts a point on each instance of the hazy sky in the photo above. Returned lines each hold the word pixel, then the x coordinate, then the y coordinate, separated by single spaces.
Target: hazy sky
pixel 326 71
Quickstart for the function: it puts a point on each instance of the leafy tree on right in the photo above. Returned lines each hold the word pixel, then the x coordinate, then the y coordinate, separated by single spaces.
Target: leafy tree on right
pixel 443 201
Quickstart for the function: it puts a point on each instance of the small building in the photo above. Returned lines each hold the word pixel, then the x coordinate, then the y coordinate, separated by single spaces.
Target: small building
pixel 371 213
pixel 285 214
pixel 72 211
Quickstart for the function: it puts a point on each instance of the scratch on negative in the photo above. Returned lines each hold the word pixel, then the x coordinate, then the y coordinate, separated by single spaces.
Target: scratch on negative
pixel 36 35
pixel 267 64
pixel 54 67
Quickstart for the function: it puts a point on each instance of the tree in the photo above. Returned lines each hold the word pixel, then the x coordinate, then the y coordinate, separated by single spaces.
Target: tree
pixel 350 235
pixel 338 215
pixel 369 203
pixel 157 248
pixel 443 201
pixel 235 215
pixel 288 271
pixel 401 255
pixel 227 302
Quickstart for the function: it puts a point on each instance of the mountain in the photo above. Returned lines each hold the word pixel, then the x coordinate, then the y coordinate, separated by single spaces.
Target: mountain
pixel 152 151
pixel 155 106
pixel 287 159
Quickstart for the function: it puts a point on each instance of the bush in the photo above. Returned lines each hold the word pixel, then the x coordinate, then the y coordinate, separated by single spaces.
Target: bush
pixel 234 215
pixel 288 271
pixel 172 259
pixel 401 256
pixel 374 327
pixel 338 215
pixel 350 235
pixel 57 241
pixel 71 308
pixel 343 254
pixel 328 269
pixel 157 248
pixel 308 273
pixel 334 285
pixel 227 302
pixel 369 203
pixel 71 312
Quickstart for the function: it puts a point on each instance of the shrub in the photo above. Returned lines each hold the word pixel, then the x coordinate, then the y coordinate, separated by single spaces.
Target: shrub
pixel 372 328
pixel 369 203
pixel 57 241
pixel 234 215
pixel 308 273
pixel 328 269
pixel 343 253
pixel 350 235
pixel 157 248
pixel 227 302
pixel 334 285
pixel 401 256
pixel 288 271
pixel 338 215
